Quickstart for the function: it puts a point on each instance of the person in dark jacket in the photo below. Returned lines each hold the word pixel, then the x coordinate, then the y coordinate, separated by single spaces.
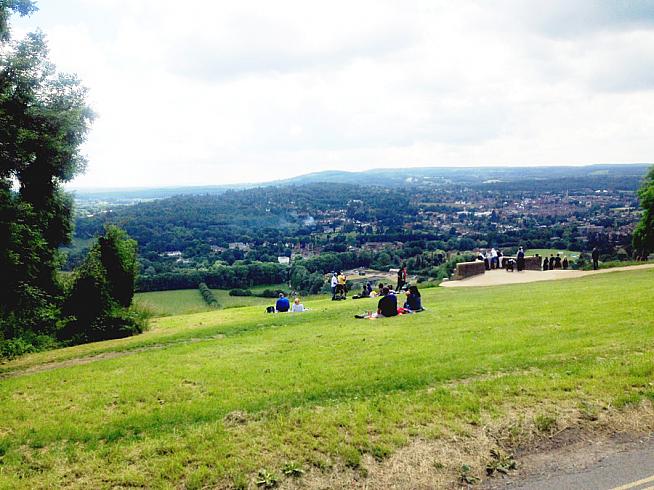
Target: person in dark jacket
pixel 387 305
pixel 413 301
pixel 546 264
pixel 521 259
pixel 595 256
pixel 282 305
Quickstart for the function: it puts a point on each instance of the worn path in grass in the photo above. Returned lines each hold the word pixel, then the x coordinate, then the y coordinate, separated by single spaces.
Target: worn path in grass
pixel 500 277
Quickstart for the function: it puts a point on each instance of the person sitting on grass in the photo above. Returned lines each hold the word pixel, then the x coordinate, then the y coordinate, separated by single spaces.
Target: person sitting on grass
pixel 365 291
pixel 387 305
pixel 413 301
pixel 297 306
pixel 282 305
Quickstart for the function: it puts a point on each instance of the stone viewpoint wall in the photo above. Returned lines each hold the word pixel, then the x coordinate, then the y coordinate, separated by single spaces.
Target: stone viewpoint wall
pixel 470 269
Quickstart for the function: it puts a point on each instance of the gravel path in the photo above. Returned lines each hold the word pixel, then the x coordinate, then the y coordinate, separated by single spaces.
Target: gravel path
pixel 499 277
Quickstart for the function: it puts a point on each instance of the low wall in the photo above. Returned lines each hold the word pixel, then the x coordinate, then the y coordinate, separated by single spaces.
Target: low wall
pixel 531 263
pixel 469 269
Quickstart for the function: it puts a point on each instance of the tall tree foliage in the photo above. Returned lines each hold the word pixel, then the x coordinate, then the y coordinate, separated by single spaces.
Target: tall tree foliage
pixel 98 306
pixel 643 239
pixel 44 119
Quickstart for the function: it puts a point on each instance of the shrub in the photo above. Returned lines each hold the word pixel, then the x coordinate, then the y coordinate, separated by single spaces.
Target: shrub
pixel 207 295
pixel 98 305
pixel 240 292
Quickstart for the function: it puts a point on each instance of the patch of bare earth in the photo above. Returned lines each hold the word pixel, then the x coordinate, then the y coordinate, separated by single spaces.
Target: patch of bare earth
pixel 519 447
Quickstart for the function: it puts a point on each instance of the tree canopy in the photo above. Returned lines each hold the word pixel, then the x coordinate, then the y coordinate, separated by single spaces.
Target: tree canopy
pixel 643 240
pixel 44 119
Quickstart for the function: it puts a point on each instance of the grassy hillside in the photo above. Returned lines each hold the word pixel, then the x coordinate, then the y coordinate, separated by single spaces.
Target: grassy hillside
pixel 228 397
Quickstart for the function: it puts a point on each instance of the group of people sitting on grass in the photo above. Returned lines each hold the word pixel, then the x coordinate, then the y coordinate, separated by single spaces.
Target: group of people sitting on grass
pixel 283 305
pixel 387 305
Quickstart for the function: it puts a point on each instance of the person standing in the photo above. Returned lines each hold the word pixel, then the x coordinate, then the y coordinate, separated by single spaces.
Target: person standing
pixel 595 256
pixel 341 287
pixel 521 259
pixel 546 263
pixel 401 278
pixel 334 282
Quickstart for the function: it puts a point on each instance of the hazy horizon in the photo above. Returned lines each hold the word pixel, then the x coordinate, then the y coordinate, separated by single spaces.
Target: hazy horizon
pixel 231 93
pixel 72 187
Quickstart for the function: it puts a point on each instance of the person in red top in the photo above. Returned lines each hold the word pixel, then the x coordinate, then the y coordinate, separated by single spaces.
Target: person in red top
pixel 401 278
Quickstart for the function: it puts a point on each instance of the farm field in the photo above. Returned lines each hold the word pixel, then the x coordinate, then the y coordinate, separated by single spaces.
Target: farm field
pixel 236 398
pixel 185 301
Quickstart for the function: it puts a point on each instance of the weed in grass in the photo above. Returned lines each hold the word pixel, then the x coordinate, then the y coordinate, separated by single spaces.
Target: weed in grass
pixel 266 479
pixel 438 466
pixel 545 423
pixel 293 469
pixel 588 411
pixel 500 462
pixel 466 477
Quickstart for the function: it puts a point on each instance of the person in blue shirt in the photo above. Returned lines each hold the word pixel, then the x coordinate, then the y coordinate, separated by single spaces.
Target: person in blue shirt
pixel 282 305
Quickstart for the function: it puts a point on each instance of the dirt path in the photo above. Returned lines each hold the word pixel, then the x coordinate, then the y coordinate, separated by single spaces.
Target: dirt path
pixel 499 277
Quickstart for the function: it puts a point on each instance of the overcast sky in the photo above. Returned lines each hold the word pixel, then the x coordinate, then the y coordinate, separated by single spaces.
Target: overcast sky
pixel 214 92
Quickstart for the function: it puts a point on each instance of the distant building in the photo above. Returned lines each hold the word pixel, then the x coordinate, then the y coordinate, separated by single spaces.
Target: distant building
pixel 174 253
pixel 245 247
pixel 588 229
pixel 284 260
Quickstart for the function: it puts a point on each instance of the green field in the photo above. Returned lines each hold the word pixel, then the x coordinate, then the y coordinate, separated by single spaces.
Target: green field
pixel 185 301
pixel 572 256
pixel 228 397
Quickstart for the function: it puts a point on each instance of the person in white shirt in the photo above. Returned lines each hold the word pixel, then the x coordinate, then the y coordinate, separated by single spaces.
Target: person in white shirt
pixel 297 306
pixel 334 283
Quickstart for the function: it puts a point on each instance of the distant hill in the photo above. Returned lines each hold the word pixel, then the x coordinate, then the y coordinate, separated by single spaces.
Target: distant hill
pixel 393 177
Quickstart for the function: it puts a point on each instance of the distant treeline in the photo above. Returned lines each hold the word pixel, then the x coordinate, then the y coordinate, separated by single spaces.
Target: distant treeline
pixel 220 277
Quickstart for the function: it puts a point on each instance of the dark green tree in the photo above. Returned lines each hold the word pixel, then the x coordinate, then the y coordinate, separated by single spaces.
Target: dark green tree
pixel 98 305
pixel 43 121
pixel 643 239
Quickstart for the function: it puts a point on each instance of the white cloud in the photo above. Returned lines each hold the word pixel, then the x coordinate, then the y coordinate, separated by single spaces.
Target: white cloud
pixel 214 92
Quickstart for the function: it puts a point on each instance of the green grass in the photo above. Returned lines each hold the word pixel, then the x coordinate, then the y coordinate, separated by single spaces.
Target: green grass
pixel 572 256
pixel 185 301
pixel 210 399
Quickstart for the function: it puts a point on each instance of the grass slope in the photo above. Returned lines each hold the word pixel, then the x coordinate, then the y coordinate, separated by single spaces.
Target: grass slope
pixel 209 399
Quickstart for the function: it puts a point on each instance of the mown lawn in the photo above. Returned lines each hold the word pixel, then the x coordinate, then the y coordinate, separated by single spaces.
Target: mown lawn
pixel 209 399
